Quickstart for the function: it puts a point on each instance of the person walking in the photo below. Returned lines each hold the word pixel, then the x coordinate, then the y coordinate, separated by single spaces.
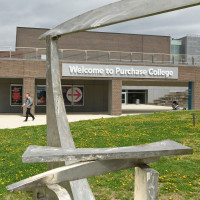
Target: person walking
pixel 28 103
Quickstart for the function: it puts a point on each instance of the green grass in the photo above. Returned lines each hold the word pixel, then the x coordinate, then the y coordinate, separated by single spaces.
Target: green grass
pixel 179 176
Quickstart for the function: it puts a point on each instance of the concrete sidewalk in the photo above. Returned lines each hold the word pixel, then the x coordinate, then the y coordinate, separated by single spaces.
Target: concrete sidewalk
pixel 143 108
pixel 16 120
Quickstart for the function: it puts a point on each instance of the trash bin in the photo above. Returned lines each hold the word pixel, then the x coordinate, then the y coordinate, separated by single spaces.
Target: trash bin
pixel 137 101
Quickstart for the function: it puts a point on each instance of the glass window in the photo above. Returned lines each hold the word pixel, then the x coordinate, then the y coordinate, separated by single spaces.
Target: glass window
pixel 176 47
pixel 41 95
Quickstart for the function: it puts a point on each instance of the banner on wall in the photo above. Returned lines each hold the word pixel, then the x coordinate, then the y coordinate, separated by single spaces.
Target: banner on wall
pixel 65 91
pixel 78 95
pixel 41 95
pixel 73 95
pixel 16 95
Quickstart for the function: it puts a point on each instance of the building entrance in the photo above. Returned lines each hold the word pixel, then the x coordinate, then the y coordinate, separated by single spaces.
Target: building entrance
pixel 134 96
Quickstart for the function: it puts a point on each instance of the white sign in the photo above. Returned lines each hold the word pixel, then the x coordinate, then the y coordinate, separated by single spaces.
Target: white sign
pixel 120 71
pixel 74 95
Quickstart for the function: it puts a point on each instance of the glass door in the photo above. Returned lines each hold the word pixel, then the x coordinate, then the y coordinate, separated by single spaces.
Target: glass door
pixel 123 97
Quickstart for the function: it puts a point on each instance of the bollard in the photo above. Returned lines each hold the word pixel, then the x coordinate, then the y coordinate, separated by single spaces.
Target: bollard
pixel 194 119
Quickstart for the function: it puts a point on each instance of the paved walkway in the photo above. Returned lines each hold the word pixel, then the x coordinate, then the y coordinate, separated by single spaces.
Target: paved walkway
pixel 16 120
pixel 132 108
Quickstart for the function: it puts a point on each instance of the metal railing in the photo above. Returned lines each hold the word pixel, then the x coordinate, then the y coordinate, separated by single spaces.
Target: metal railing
pixel 96 56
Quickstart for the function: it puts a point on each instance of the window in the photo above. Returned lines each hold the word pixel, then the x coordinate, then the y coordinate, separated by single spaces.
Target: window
pixel 41 95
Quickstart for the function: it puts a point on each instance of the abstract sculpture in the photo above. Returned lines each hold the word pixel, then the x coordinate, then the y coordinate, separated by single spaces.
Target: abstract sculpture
pixel 69 167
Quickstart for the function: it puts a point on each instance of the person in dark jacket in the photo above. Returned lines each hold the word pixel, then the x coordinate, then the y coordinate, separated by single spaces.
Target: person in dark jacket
pixel 28 104
pixel 175 105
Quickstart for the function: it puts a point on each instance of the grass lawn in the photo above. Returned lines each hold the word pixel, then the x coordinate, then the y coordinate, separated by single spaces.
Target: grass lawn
pixel 179 176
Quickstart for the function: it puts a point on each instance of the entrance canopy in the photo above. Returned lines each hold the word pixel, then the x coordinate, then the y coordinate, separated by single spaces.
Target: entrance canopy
pixel 121 11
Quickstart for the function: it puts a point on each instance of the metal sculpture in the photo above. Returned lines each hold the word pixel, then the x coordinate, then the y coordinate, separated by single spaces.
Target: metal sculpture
pixel 121 11
pixel 93 162
pixel 71 175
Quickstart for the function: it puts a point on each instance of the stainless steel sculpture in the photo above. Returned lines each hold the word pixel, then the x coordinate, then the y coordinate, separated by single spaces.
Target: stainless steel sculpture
pixel 63 159
pixel 35 154
pixel 94 162
pixel 121 11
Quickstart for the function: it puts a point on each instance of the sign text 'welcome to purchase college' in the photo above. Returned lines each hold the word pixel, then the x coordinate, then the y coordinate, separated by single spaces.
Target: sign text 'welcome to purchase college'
pixel 90 70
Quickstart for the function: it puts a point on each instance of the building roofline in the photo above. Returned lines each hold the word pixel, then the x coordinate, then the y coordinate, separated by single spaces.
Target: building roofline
pixel 99 32
pixel 31 27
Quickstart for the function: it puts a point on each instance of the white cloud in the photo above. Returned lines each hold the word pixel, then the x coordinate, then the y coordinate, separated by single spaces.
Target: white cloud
pixel 49 13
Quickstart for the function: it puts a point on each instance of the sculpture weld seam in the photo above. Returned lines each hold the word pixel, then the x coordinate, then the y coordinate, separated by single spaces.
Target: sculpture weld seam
pixel 69 181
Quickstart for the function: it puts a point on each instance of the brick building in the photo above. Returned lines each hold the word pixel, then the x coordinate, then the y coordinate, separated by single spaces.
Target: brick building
pixel 99 72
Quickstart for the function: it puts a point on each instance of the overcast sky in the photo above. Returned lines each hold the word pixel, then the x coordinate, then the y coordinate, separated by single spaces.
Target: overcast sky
pixel 49 13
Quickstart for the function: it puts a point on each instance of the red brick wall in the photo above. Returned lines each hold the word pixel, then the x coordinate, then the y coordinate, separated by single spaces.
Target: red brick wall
pixel 115 102
pixel 196 95
pixel 116 95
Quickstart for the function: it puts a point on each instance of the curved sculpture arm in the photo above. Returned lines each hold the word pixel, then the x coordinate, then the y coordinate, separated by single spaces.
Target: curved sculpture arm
pixel 75 172
pixel 60 192
pixel 121 11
